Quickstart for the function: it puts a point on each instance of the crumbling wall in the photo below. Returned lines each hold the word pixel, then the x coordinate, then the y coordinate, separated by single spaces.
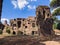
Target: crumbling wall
pixel 44 22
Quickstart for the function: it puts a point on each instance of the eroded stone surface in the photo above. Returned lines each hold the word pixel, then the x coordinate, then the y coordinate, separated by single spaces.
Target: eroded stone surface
pixel 44 22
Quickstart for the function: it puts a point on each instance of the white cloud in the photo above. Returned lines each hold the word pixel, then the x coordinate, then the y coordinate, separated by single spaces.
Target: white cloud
pixel 19 3
pixel 3 20
pixel 50 0
pixel 33 0
pixel 15 4
pixel 22 3
pixel 31 7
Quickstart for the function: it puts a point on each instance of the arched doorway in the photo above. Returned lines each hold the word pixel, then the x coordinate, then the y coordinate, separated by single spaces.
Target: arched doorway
pixel 14 32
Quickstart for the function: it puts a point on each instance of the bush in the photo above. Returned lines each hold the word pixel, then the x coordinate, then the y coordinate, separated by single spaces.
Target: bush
pixel 58 26
pixel 55 25
pixel 1 31
pixel 20 33
pixel 8 31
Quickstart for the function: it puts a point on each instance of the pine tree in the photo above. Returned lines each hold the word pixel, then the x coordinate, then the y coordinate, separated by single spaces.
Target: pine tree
pixel 55 5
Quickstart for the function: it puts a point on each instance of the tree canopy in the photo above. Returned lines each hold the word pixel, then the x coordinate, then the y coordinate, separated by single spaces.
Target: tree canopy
pixel 55 3
pixel 56 12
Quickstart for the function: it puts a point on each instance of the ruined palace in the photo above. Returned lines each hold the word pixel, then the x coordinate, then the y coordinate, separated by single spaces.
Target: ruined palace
pixel 40 25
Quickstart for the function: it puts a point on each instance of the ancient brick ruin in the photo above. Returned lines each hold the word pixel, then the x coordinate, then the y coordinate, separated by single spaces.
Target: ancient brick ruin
pixel 44 21
pixel 41 25
pixel 26 26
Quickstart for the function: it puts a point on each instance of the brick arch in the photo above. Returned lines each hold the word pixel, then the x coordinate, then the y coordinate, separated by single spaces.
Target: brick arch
pixel 14 32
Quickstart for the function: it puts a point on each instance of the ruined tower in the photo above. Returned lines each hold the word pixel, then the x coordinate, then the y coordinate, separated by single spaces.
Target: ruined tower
pixel 44 21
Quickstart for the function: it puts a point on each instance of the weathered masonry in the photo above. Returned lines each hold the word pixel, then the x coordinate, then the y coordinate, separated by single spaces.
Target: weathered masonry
pixel 25 26
pixel 44 22
pixel 41 25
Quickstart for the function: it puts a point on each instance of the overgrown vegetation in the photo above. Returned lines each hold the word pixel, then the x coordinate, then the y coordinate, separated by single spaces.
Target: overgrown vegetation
pixel 55 6
pixel 55 3
pixel 54 26
pixel 58 26
pixel 20 33
pixel 1 31
pixel 8 30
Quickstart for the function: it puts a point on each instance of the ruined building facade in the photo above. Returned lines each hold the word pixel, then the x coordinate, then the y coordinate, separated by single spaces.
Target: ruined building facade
pixel 40 25
pixel 44 22
pixel 27 26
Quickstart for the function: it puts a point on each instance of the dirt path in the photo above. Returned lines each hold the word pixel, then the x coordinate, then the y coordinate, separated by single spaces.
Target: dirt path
pixel 51 43
pixel 27 40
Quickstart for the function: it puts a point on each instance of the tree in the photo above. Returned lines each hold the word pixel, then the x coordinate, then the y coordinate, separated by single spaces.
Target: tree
pixel 1 31
pixel 56 12
pixel 58 26
pixel 55 5
pixel 8 30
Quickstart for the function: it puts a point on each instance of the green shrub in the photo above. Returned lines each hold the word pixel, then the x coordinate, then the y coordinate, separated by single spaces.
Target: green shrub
pixel 55 25
pixel 20 33
pixel 8 31
pixel 58 26
pixel 1 31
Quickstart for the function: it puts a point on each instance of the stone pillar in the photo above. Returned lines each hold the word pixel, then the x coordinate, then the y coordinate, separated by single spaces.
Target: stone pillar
pixel 44 22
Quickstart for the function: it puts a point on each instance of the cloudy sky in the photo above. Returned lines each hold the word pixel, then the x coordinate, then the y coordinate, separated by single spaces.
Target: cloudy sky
pixel 21 8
